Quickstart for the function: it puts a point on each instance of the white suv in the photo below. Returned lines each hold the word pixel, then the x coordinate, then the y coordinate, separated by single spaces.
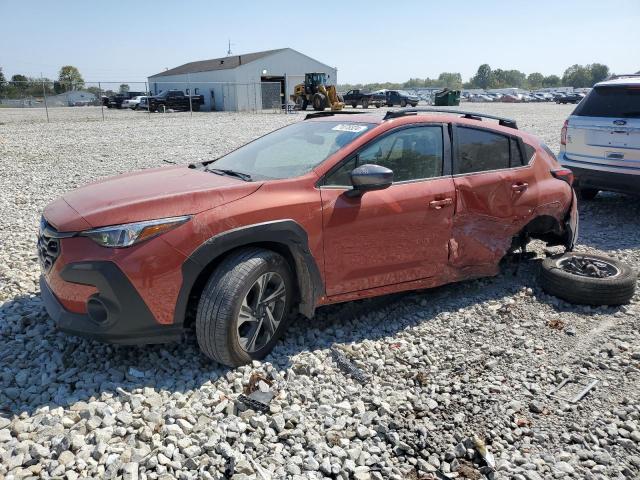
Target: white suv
pixel 600 141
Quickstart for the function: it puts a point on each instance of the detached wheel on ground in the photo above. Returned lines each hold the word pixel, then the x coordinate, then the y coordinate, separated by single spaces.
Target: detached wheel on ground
pixel 244 306
pixel 588 279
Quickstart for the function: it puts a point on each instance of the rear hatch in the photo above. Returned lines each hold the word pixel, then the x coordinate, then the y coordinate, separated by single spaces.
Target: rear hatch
pixel 605 128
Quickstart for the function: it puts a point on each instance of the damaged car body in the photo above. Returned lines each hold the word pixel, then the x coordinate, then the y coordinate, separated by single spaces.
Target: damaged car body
pixel 334 208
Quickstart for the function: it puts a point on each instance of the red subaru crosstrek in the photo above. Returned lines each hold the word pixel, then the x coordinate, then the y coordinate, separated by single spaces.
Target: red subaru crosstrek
pixel 334 208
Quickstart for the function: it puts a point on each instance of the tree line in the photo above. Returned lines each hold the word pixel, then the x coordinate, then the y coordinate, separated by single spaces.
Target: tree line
pixel 69 79
pixel 576 76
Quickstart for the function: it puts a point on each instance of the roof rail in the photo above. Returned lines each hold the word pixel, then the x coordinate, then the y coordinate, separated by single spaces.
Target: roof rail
pixel 332 113
pixel 505 122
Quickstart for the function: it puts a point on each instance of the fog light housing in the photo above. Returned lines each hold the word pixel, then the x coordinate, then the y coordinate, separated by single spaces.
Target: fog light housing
pixel 97 310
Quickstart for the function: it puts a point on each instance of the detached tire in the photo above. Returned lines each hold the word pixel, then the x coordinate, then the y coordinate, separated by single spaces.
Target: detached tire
pixel 237 321
pixel 559 277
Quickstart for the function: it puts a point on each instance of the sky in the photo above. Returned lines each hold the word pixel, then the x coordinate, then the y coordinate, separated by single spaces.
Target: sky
pixel 368 41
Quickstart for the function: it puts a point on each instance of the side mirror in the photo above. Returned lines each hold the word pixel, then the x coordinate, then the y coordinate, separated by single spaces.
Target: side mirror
pixel 369 177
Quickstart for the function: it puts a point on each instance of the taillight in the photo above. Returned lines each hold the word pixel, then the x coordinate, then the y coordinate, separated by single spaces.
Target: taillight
pixel 563 133
pixel 563 174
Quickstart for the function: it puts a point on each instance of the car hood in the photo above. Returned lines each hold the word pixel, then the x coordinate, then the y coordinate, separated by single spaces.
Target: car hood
pixel 146 195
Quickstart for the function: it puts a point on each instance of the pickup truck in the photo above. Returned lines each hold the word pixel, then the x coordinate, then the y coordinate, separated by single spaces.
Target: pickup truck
pixel 115 101
pixel 175 100
pixel 358 97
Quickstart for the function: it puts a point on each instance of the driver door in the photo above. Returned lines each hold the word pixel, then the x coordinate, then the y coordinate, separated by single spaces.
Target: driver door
pixel 395 235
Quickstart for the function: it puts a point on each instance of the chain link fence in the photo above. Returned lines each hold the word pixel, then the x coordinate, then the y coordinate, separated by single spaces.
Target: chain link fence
pixel 47 101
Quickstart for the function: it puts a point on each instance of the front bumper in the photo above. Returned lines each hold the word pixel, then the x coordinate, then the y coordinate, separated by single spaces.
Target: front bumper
pixel 602 176
pixel 115 313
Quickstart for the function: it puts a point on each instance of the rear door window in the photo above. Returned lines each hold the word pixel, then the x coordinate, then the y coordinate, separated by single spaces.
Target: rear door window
pixel 480 151
pixel 618 101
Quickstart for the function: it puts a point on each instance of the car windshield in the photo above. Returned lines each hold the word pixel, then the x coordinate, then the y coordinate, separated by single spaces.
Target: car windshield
pixel 291 151
pixel 404 92
pixel 619 101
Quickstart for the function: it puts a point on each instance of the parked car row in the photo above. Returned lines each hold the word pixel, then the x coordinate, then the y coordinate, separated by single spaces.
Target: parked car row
pixel 558 97
pixel 167 100
pixel 379 98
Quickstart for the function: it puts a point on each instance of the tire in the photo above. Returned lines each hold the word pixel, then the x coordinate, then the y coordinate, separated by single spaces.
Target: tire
pixel 378 105
pixel 587 193
pixel 414 105
pixel 587 290
pixel 301 102
pixel 365 103
pixel 403 103
pixel 159 108
pixel 231 284
pixel 135 107
pixel 354 105
pixel 319 102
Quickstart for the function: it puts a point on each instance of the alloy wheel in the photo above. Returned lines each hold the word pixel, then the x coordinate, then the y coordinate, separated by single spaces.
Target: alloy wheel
pixel 261 312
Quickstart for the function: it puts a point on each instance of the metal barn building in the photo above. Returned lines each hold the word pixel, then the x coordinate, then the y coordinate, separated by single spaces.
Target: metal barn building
pixel 251 81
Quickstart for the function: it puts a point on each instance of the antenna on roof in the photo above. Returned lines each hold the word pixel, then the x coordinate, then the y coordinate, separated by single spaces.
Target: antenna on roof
pixel 229 48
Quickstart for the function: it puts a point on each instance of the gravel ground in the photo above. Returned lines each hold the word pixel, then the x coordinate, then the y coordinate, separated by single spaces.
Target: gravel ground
pixel 442 366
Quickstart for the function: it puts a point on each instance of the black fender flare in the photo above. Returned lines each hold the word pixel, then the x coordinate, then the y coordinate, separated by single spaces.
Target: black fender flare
pixel 286 233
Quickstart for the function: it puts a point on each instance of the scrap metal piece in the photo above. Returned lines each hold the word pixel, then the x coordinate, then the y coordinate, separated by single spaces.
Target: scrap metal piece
pixel 258 400
pixel 486 455
pixel 347 366
pixel 572 379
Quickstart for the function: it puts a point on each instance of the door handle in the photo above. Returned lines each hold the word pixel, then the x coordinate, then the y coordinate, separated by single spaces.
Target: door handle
pixel 438 204
pixel 519 187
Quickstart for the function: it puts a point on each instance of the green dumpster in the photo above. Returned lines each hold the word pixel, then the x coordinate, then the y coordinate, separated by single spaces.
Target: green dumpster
pixel 447 98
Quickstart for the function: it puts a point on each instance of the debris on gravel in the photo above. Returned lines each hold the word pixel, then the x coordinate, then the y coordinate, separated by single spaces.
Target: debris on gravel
pixel 447 370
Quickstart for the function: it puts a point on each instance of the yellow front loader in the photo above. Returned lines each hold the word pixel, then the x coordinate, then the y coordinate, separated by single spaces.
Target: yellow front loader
pixel 316 92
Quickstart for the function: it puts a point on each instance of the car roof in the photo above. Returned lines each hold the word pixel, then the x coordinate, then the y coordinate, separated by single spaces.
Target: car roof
pixel 630 80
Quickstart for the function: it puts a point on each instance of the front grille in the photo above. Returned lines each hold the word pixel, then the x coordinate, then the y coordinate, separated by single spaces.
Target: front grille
pixel 48 246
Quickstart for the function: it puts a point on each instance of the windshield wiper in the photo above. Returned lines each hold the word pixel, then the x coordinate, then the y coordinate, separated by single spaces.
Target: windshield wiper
pixel 231 173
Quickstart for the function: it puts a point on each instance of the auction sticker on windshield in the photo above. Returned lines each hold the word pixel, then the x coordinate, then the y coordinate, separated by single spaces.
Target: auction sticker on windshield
pixel 350 127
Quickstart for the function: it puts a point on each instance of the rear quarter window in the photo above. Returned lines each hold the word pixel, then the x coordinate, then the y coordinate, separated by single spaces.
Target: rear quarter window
pixel 529 152
pixel 618 101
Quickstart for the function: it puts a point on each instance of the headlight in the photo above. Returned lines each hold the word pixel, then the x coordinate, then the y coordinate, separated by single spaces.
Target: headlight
pixel 128 234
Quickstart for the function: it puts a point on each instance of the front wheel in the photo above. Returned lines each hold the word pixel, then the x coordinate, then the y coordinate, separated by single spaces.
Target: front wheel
pixel 244 306
pixel 319 102
pixel 403 103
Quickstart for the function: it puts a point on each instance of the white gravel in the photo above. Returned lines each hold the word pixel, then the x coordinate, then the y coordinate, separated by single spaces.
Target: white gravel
pixel 471 358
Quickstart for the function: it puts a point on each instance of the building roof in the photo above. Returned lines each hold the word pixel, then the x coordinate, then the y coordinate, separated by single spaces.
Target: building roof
pixel 224 63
